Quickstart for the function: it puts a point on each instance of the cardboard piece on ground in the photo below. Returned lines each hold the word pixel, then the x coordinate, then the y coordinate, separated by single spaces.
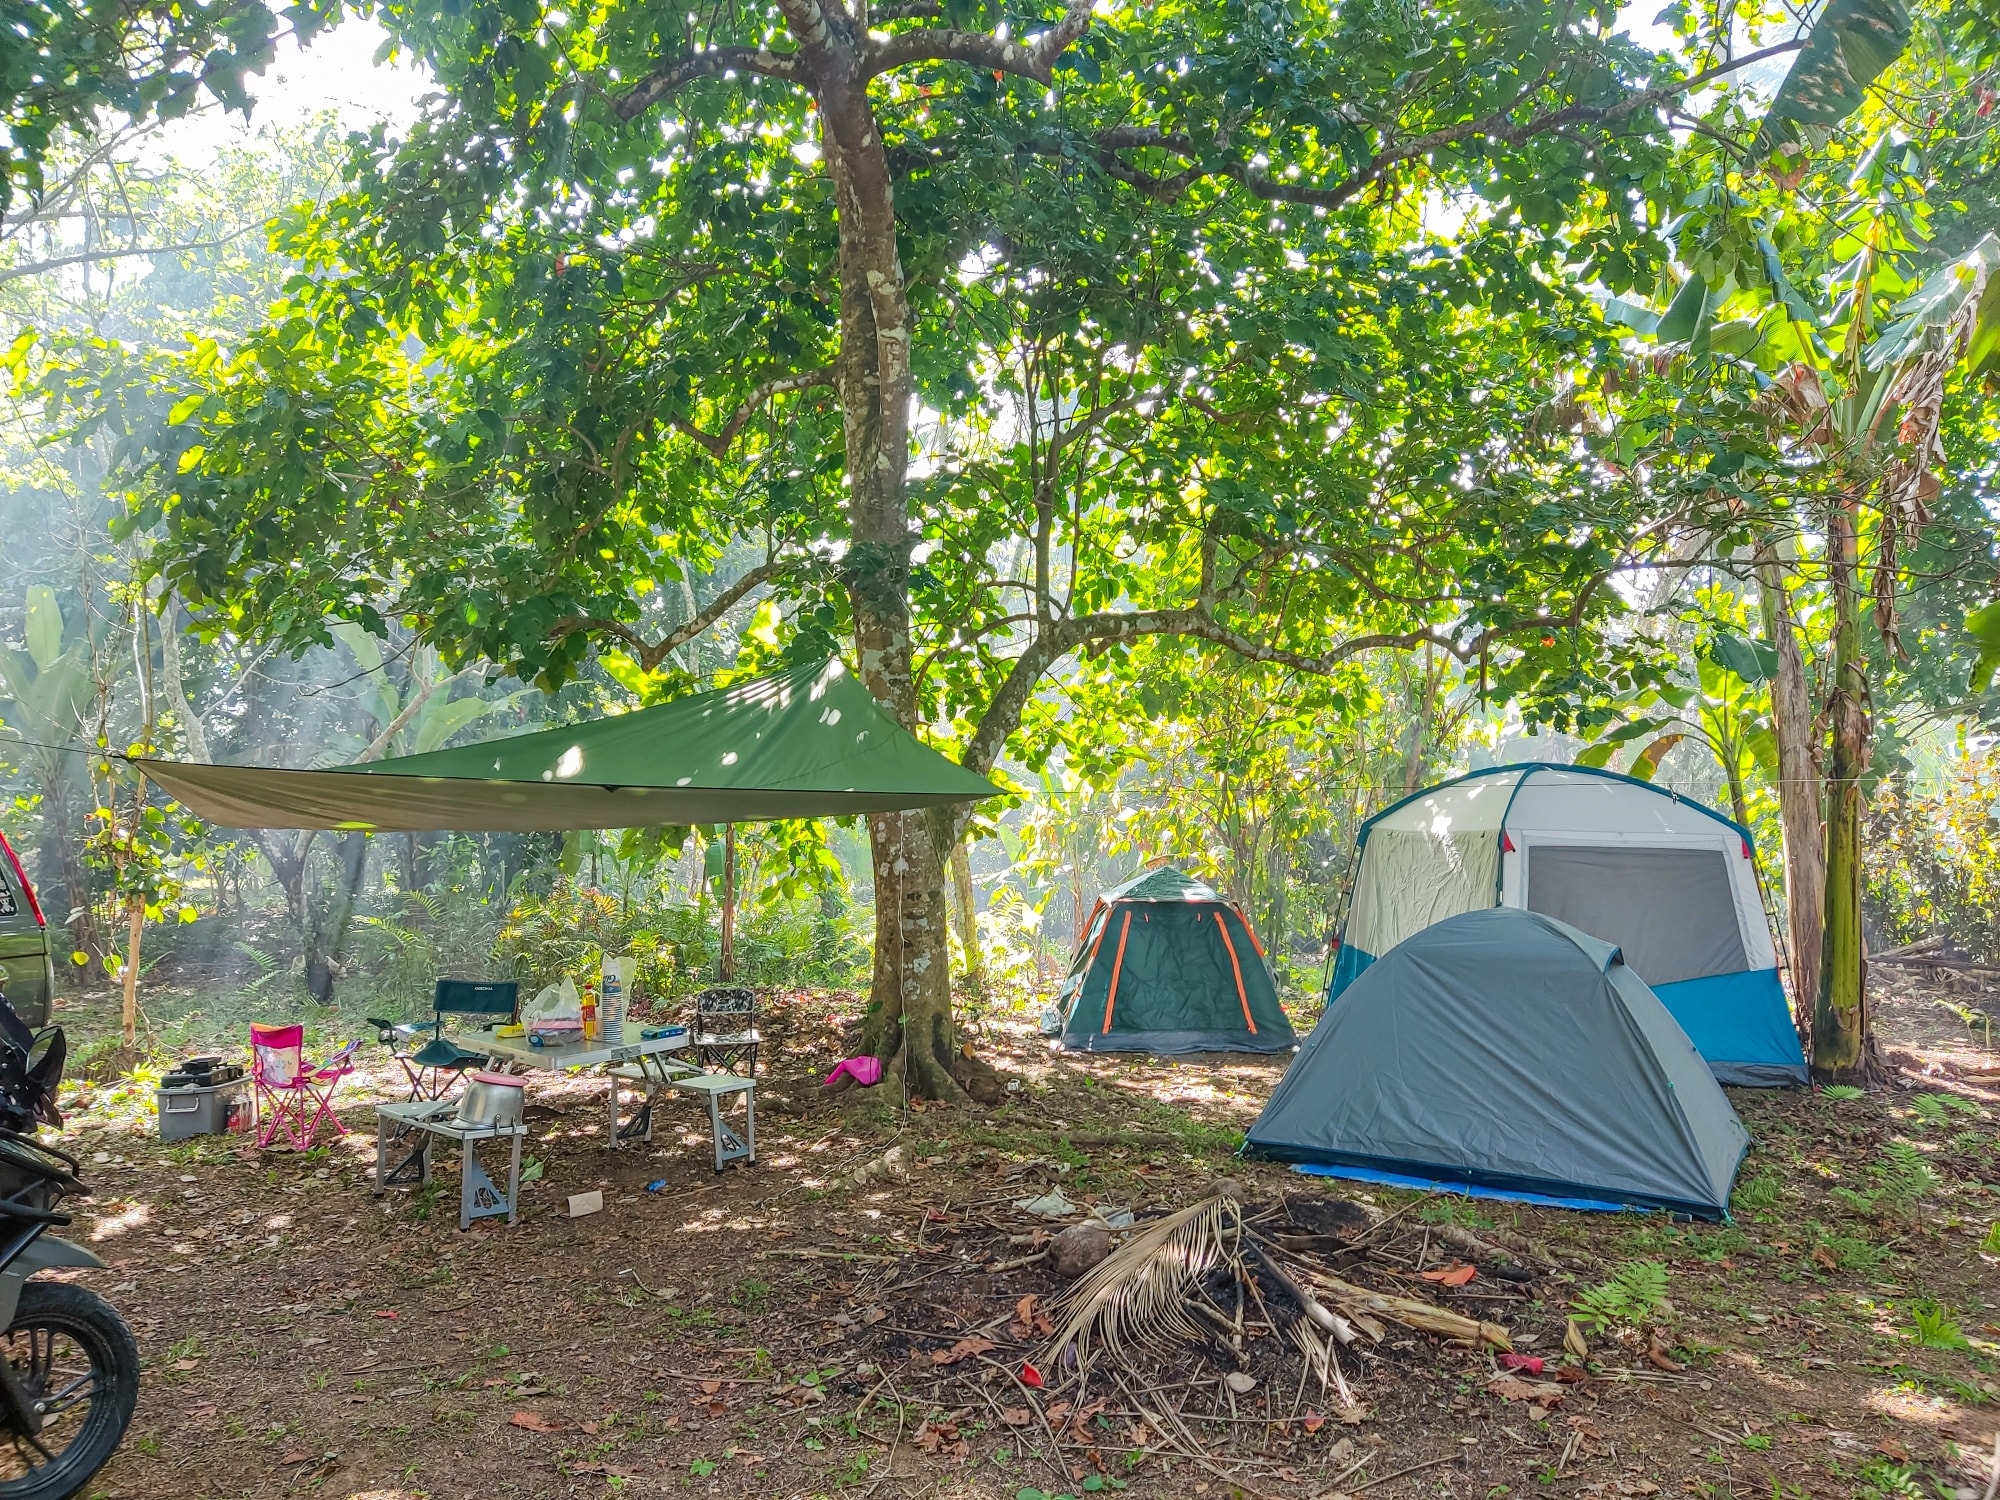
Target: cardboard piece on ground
pixel 586 1203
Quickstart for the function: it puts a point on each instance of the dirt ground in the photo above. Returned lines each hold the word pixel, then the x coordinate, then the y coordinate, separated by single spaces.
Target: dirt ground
pixel 773 1331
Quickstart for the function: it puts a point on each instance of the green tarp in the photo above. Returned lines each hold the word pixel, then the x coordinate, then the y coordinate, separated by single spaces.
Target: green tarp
pixel 808 743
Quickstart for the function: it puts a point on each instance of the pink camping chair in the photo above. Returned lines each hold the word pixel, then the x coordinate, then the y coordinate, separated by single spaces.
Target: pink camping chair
pixel 299 1097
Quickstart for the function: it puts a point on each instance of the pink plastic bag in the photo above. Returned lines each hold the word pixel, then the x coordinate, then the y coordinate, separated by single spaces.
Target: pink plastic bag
pixel 866 1071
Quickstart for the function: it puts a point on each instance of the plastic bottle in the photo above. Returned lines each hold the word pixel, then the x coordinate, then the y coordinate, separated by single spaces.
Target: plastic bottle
pixel 611 1000
pixel 589 1011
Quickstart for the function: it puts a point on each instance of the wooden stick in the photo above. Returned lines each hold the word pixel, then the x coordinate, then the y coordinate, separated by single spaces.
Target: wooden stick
pixel 824 1255
pixel 1332 1322
pixel 718 1379
pixel 1429 1463
pixel 1017 1262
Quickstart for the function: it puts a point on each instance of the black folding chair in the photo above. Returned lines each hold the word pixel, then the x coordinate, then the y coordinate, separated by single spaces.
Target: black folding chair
pixel 433 1067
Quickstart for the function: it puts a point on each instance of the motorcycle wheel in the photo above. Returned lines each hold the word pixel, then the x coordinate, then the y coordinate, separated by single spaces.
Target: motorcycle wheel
pixel 72 1352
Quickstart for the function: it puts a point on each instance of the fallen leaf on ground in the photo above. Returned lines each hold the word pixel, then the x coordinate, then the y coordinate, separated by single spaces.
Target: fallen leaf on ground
pixel 1573 1343
pixel 1513 1388
pixel 1313 1421
pixel 1031 1318
pixel 1659 1359
pixel 1451 1275
pixel 298 1456
pixel 1031 1377
pixel 533 1421
pixel 963 1349
pixel 1637 1487
pixel 1016 1416
pixel 941 1438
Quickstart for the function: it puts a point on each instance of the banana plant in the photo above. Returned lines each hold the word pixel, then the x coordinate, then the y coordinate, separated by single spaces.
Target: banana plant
pixel 419 715
pixel 1850 407
pixel 51 686
pixel 1727 710
pixel 48 698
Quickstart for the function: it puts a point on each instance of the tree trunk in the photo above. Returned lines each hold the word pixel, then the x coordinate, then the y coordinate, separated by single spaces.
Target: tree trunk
pixel 135 924
pixel 62 868
pixel 1840 1015
pixel 1798 790
pixel 288 858
pixel 968 921
pixel 909 1024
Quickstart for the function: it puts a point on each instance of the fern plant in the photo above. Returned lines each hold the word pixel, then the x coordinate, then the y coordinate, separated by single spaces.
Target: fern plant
pixel 1632 1295
pixel 1906 1178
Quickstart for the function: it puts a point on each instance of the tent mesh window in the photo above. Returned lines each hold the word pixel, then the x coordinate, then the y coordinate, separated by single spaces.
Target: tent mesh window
pixel 1669 910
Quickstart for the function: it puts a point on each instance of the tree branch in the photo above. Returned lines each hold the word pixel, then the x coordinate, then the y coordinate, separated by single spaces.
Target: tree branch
pixel 650 655
pixel 380 743
pixel 1034 59
pixel 718 443
pixel 38 267
pixel 1495 127
pixel 665 80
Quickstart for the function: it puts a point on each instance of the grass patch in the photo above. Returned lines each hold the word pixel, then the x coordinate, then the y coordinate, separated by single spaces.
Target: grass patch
pixel 1758 1194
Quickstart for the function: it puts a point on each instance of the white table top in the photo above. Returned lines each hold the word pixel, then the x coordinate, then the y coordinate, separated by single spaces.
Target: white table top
pixel 577 1054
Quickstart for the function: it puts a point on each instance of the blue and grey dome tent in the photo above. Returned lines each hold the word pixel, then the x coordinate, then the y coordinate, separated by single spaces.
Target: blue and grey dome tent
pixel 1167 966
pixel 1669 881
pixel 1504 1053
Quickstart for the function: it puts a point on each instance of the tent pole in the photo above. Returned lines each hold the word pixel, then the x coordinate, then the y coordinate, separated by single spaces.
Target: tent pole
pixel 728 963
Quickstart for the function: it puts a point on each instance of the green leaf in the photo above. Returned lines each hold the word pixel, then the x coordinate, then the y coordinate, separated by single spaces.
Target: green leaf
pixel 1847 48
pixel 45 627
pixel 1753 661
pixel 1685 314
pixel 1647 766
pixel 1631 315
pixel 1983 625
pixel 1938 301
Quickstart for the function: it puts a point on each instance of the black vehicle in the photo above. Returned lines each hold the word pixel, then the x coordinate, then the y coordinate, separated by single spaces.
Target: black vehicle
pixel 69 1368
pixel 27 971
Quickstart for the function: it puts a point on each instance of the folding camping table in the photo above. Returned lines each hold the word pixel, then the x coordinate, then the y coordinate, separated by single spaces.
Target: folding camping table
pixel 632 1057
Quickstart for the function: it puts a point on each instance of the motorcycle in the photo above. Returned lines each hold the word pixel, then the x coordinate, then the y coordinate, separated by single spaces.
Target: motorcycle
pixel 69 1366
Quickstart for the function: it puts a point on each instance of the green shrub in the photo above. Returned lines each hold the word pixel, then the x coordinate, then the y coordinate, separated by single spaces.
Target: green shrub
pixel 1931 864
pixel 786 941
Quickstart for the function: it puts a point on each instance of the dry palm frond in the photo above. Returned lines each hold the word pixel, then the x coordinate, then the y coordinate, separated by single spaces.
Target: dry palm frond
pixel 1137 1294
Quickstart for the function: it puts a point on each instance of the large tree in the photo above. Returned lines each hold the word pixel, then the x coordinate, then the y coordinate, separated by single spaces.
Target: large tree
pixel 1007 333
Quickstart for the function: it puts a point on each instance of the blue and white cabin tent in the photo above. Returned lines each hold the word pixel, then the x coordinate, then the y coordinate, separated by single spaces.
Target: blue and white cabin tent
pixel 1671 882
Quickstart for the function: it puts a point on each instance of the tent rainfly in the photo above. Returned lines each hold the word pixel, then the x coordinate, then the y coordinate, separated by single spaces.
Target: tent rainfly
pixel 1671 882
pixel 807 743
pixel 1167 966
pixel 1506 1054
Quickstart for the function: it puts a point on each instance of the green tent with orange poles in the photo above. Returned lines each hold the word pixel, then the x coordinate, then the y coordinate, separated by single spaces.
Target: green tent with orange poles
pixel 1168 966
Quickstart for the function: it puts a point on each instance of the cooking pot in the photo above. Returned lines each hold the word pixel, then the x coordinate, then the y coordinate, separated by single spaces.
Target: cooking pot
pixel 490 1099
